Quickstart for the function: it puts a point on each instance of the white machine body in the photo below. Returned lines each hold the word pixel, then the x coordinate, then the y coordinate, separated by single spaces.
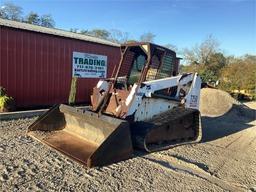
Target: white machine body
pixel 141 101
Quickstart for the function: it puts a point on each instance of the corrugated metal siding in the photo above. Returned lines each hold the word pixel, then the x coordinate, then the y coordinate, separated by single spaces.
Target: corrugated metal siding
pixel 36 68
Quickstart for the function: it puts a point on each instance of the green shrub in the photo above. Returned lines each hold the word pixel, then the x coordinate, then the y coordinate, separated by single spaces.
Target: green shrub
pixel 4 100
pixel 2 91
pixel 6 103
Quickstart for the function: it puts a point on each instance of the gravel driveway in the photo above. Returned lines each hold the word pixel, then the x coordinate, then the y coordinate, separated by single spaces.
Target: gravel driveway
pixel 225 160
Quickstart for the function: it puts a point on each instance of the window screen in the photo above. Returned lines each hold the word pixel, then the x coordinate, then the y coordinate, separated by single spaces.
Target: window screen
pixel 152 71
pixel 167 67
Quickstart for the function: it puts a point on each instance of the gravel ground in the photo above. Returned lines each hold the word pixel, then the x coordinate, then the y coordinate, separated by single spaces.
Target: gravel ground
pixel 225 160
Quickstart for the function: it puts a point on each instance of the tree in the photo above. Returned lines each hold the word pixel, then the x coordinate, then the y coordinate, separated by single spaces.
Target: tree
pixel 240 74
pixel 100 33
pixel 118 36
pixel 14 12
pixel 74 30
pixel 206 59
pixel 131 41
pixel 33 18
pixel 207 48
pixel 83 31
pixel 11 11
pixel 80 31
pixel 47 21
pixel 201 54
pixel 208 72
pixel 147 37
pixel 216 62
pixel 172 47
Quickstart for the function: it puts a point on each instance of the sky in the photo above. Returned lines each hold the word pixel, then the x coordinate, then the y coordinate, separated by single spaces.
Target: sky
pixel 183 23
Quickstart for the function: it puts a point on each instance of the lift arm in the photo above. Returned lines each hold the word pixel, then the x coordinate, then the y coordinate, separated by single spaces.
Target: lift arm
pixel 190 83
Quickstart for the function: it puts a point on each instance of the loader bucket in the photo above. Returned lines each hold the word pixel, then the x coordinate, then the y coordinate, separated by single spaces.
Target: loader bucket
pixel 83 135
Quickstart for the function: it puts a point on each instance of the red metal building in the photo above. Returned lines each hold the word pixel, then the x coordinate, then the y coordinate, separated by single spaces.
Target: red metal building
pixel 36 63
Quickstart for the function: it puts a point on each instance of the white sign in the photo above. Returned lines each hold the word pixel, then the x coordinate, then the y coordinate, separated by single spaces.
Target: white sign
pixel 87 65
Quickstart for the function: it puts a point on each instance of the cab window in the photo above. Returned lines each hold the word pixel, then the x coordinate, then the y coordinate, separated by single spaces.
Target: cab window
pixel 137 67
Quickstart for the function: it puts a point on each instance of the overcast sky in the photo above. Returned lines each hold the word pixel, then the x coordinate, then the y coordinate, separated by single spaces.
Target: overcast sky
pixel 179 22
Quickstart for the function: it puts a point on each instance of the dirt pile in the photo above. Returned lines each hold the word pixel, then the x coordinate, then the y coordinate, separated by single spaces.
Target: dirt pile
pixel 222 115
pixel 215 102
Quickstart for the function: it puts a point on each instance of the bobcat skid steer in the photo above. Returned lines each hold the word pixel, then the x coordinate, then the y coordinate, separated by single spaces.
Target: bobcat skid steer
pixel 141 106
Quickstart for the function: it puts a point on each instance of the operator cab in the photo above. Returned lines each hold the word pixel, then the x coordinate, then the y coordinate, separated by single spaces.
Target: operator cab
pixel 144 62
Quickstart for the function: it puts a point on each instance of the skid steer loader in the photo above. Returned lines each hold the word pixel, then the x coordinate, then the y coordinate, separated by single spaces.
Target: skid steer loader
pixel 141 106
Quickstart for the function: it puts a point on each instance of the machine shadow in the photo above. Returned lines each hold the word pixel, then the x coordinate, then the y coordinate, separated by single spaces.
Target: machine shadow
pixel 238 118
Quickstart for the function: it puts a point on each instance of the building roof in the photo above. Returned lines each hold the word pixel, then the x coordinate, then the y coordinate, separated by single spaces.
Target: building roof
pixel 57 32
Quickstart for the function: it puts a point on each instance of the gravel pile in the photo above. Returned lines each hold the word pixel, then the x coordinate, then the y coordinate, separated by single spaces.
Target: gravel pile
pixel 215 102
